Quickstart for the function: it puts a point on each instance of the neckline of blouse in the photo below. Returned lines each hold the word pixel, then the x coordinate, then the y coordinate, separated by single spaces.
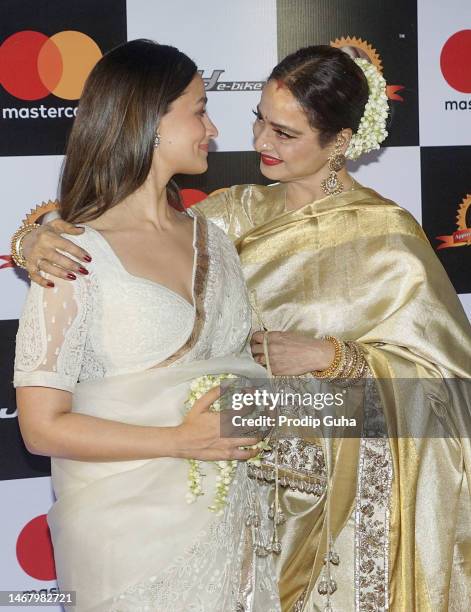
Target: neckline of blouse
pixel 153 282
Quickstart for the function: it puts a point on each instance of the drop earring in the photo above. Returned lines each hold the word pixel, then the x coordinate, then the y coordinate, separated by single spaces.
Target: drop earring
pixel 332 185
pixel 156 140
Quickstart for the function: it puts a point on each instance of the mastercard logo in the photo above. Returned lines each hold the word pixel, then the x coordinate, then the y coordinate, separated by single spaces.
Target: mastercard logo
pixel 455 61
pixel 34 549
pixel 33 65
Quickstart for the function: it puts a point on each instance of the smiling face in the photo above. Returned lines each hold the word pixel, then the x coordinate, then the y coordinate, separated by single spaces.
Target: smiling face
pixel 185 131
pixel 288 145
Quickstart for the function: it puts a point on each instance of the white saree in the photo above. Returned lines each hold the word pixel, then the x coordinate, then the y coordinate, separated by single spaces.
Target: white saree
pixel 124 537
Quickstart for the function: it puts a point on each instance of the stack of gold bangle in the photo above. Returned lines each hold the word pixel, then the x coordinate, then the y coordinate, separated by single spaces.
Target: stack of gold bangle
pixel 356 366
pixel 338 362
pixel 17 243
pixel 348 363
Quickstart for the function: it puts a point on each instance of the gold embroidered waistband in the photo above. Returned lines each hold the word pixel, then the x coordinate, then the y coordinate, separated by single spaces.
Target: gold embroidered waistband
pixel 301 466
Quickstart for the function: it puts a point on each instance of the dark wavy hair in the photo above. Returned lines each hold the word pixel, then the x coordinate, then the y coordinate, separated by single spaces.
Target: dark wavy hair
pixel 329 86
pixel 110 148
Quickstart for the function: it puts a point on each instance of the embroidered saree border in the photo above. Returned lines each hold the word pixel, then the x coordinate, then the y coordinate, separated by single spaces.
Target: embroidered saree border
pixel 200 282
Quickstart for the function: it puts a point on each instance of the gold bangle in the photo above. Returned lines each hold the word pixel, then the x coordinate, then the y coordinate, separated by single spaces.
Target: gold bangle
pixel 338 362
pixel 17 243
pixel 350 362
pixel 353 364
pixel 359 371
pixel 356 367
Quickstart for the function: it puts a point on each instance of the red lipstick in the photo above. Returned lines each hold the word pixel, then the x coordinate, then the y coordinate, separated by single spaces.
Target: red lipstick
pixel 270 161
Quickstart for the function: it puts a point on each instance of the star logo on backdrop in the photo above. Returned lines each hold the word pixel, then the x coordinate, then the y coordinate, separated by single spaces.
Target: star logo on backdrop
pixel 356 47
pixel 40 210
pixel 462 236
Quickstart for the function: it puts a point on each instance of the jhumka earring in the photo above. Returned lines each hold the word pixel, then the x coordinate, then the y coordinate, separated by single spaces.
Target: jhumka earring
pixel 156 140
pixel 332 185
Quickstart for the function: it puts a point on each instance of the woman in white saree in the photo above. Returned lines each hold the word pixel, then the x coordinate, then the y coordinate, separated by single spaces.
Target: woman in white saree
pixel 148 318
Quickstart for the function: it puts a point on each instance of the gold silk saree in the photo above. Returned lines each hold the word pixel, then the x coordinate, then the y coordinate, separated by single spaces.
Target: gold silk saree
pixel 358 267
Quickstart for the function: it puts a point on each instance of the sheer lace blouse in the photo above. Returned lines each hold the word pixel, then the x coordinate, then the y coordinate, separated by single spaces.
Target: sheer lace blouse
pixel 111 322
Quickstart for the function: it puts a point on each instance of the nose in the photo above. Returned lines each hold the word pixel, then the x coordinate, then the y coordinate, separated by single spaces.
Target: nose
pixel 211 129
pixel 261 140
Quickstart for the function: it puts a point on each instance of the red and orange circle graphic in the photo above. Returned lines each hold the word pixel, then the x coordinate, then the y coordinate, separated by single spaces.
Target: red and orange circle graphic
pixel 455 61
pixel 34 65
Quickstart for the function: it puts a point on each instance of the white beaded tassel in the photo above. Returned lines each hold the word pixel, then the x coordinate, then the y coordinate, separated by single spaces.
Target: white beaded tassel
pixel 277 515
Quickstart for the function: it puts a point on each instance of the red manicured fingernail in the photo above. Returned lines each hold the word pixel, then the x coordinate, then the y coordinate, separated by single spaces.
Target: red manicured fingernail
pixel 71 276
pixel 87 258
pixel 49 284
pixel 83 271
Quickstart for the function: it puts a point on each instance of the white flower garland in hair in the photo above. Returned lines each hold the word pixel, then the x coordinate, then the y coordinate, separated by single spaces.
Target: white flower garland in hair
pixel 372 130
pixel 226 469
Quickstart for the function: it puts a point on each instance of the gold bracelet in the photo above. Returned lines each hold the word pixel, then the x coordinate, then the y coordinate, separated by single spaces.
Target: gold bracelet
pixel 356 366
pixel 358 372
pixel 17 243
pixel 353 365
pixel 350 361
pixel 338 362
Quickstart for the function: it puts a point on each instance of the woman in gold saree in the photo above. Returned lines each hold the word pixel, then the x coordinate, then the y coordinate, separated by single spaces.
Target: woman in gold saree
pixel 324 256
pixel 341 261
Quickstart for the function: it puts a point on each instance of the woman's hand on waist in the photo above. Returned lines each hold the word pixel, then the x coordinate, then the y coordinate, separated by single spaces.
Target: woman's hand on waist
pixel 50 428
pixel 199 436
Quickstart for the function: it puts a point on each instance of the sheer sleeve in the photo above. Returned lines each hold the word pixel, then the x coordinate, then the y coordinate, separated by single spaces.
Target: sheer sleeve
pixel 51 335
